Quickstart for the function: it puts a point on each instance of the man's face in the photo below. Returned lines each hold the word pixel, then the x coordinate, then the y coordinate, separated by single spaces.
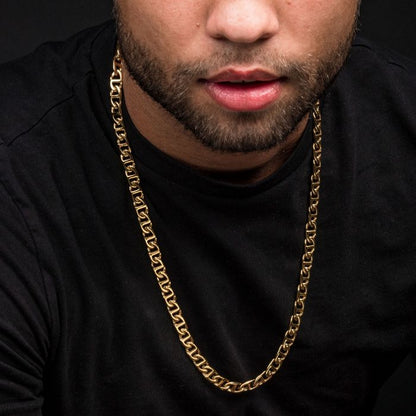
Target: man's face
pixel 239 74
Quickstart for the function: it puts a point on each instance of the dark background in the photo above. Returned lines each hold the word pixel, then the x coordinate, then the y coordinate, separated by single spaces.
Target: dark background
pixel 26 23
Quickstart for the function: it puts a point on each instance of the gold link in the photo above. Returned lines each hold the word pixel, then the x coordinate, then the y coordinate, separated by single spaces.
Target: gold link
pixel 159 269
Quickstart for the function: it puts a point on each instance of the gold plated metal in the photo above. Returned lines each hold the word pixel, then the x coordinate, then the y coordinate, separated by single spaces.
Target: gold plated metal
pixel 159 269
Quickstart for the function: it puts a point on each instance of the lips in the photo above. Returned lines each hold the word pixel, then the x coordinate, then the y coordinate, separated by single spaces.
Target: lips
pixel 244 90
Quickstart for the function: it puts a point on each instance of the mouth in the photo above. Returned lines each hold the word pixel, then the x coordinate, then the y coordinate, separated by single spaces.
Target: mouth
pixel 244 90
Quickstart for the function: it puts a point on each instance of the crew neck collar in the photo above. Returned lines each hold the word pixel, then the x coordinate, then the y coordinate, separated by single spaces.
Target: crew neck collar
pixel 149 157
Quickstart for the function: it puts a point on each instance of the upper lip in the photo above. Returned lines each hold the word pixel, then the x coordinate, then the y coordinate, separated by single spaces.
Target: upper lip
pixel 236 75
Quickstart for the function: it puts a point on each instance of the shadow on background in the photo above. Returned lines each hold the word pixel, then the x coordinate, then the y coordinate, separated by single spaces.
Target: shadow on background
pixel 24 25
pixel 391 23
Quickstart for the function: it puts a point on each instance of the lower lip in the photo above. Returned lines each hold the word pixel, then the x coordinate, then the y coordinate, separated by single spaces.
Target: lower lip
pixel 244 97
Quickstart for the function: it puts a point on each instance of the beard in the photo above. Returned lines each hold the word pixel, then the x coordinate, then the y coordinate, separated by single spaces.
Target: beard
pixel 215 127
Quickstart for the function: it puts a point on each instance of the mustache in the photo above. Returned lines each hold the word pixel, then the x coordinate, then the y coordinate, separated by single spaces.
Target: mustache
pixel 232 57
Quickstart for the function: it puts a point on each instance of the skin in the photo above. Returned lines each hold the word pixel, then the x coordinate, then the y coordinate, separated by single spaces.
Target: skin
pixel 313 34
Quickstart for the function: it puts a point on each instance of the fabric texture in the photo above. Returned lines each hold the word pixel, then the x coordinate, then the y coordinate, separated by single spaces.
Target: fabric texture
pixel 83 327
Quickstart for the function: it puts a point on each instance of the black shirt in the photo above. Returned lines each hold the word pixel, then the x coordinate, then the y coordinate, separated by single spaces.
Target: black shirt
pixel 83 327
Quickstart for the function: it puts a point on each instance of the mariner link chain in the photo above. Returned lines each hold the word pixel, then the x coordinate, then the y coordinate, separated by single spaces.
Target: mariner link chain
pixel 159 269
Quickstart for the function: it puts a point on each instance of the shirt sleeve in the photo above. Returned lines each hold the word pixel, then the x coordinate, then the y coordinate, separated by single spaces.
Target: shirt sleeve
pixel 24 315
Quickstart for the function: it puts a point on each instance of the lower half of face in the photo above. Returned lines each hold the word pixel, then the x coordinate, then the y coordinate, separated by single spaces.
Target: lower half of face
pixel 223 110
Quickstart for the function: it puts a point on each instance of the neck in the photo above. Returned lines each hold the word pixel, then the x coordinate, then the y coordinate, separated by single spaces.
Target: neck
pixel 170 137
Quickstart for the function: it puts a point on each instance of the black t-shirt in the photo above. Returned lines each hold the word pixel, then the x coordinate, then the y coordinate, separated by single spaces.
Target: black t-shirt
pixel 83 327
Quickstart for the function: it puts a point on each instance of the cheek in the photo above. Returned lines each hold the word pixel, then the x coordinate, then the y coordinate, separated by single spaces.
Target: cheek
pixel 166 25
pixel 310 25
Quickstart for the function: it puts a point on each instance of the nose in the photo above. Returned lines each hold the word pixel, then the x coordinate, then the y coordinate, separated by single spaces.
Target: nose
pixel 242 21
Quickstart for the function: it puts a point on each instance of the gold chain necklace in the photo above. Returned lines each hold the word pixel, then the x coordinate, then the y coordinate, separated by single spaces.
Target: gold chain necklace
pixel 159 269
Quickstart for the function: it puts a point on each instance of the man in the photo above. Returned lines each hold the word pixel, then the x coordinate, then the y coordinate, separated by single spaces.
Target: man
pixel 198 275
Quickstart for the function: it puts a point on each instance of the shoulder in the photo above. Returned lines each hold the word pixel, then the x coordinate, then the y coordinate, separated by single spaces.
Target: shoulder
pixel 376 92
pixel 376 72
pixel 34 85
pixel 370 114
pixel 387 58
